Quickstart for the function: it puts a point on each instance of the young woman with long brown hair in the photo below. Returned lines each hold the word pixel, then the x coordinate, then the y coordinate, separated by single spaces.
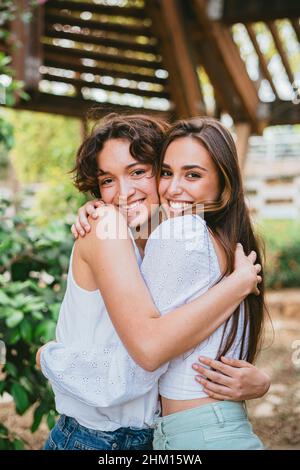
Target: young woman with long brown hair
pixel 99 264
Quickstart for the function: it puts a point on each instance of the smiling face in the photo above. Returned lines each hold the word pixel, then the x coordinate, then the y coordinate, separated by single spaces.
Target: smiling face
pixel 188 176
pixel 127 183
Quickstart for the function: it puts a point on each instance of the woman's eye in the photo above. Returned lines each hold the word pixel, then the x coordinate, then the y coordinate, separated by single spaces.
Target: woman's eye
pixel 193 175
pixel 165 173
pixel 139 172
pixel 105 182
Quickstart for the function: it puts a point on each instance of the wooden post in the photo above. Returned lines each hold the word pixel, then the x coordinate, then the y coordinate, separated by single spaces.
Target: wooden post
pixel 26 44
pixel 243 132
pixel 178 56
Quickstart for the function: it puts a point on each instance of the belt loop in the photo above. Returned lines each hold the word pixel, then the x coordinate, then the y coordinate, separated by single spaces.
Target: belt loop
pixel 219 414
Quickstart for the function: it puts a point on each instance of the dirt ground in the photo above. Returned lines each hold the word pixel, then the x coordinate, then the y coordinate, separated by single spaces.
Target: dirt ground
pixel 275 417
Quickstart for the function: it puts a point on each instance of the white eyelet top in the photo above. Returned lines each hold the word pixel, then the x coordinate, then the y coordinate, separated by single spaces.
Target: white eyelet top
pixel 93 377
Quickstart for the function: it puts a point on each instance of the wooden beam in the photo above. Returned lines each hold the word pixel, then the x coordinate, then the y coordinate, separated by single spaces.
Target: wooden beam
pixel 243 132
pixel 133 29
pixel 240 11
pixel 25 43
pixel 101 57
pixel 75 64
pixel 78 107
pixel 79 83
pixel 177 56
pixel 296 26
pixel 279 46
pixel 284 112
pixel 261 58
pixel 106 10
pixel 102 41
pixel 218 35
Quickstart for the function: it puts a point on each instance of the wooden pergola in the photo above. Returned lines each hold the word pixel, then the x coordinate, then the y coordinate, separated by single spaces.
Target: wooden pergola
pixel 145 56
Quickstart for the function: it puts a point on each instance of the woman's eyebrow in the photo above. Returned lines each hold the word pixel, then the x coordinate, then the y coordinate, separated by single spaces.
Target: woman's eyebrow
pixel 190 167
pixel 102 172
pixel 131 165
pixel 186 167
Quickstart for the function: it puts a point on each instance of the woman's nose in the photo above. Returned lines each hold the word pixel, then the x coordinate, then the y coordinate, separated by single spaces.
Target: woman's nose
pixel 175 187
pixel 126 190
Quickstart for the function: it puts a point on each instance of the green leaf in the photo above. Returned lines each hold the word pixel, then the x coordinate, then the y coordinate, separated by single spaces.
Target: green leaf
pixel 26 330
pixel 20 396
pixel 38 415
pixel 13 337
pixel 14 319
pixel 11 369
pixel 51 419
pixel 4 299
pixel 45 331
pixel 18 444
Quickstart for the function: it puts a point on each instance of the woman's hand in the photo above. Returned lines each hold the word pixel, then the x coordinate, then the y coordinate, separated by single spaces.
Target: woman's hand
pixel 247 271
pixel 82 226
pixel 231 379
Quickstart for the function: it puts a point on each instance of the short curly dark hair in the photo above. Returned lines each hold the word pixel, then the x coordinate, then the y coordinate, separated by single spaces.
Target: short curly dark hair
pixel 145 134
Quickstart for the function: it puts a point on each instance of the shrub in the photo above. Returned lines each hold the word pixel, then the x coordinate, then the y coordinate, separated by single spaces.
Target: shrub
pixel 33 268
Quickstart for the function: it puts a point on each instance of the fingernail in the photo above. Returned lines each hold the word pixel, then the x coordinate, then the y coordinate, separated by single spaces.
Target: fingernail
pixel 87 227
pixel 202 358
pixel 95 216
pixel 195 366
pixel 82 233
pixel 200 379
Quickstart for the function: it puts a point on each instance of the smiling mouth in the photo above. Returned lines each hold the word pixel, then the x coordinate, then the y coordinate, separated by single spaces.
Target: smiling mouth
pixel 179 205
pixel 132 206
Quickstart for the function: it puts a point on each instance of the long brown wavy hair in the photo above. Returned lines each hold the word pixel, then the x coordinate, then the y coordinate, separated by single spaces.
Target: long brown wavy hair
pixel 228 219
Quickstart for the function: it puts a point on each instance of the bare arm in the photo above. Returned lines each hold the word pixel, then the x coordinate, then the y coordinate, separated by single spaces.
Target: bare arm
pixel 151 339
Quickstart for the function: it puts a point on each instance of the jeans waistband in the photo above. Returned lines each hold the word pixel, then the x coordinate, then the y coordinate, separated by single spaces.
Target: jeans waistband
pixel 68 424
pixel 212 413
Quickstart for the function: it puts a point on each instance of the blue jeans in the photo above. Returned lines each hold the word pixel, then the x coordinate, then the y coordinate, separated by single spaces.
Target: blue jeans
pixel 68 434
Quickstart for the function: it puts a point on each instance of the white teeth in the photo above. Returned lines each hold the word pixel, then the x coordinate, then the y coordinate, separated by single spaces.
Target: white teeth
pixel 179 205
pixel 132 206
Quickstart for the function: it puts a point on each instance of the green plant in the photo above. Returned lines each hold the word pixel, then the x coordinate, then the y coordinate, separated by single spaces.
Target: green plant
pixel 33 267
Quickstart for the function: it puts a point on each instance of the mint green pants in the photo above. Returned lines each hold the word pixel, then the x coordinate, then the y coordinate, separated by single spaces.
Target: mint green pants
pixel 221 425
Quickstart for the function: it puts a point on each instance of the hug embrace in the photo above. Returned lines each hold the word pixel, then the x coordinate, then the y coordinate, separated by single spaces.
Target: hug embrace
pixel 163 313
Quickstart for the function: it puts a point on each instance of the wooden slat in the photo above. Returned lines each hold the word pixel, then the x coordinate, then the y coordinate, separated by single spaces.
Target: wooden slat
pixel 241 11
pixel 74 64
pixel 104 42
pixel 130 12
pixel 177 55
pixel 279 46
pixel 261 58
pixel 219 37
pixel 79 83
pixel 130 30
pixel 97 56
pixel 78 107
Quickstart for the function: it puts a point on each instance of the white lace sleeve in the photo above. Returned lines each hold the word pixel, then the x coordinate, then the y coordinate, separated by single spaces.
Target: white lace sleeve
pixel 176 266
pixel 100 377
